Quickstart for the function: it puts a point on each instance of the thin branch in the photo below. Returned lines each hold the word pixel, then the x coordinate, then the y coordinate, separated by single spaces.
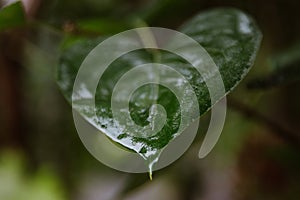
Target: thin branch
pixel 277 128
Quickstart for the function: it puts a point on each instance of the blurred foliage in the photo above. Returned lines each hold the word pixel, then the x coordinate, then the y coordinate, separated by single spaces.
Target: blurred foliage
pixel 12 16
pixel 16 183
pixel 250 161
pixel 285 70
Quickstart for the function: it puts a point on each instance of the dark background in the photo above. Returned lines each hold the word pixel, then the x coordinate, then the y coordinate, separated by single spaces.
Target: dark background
pixel 42 157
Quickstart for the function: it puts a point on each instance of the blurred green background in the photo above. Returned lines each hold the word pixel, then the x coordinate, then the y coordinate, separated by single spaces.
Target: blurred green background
pixel 42 157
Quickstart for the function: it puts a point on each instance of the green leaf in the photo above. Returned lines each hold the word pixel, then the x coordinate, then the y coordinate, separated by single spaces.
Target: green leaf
pixel 12 16
pixel 229 36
